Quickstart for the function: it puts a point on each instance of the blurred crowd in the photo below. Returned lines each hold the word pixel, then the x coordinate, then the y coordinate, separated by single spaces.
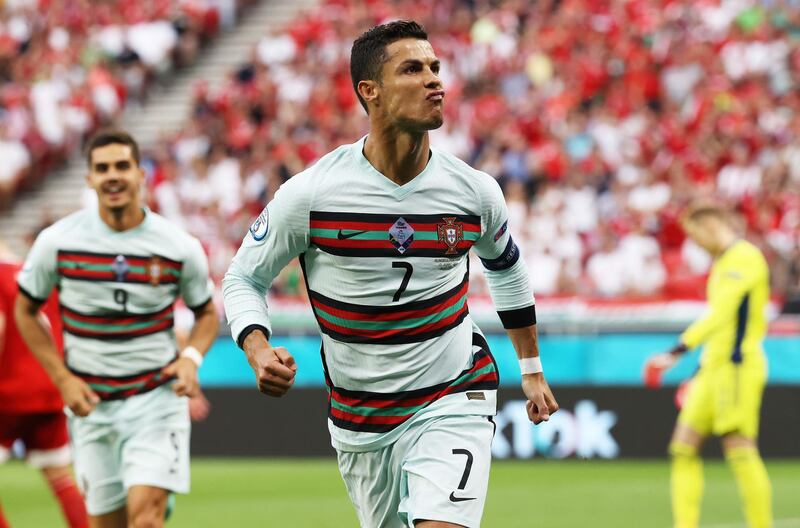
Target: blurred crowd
pixel 69 66
pixel 601 120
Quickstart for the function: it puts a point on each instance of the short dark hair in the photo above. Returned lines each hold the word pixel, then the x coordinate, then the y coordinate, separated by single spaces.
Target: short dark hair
pixel 110 136
pixel 368 53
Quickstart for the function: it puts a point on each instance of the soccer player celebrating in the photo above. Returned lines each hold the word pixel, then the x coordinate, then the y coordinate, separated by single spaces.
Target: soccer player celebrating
pixel 724 397
pixel 119 270
pixel 31 409
pixel 383 228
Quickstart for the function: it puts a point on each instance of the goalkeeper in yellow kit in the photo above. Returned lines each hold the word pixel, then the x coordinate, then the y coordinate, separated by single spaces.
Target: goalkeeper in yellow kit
pixel 724 397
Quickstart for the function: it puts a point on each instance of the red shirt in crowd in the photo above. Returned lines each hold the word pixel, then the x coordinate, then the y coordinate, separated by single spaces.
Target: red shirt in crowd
pixel 25 387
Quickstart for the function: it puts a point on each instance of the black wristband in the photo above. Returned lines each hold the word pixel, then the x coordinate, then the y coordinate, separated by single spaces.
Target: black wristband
pixel 246 332
pixel 679 349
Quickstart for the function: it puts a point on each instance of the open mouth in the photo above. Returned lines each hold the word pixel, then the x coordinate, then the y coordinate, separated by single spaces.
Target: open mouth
pixel 113 190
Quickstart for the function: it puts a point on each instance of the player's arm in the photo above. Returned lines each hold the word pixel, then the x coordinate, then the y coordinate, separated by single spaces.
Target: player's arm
pixel 724 299
pixel 201 337
pixel 36 281
pixel 509 285
pixel 278 235
pixel 77 395
pixel 197 290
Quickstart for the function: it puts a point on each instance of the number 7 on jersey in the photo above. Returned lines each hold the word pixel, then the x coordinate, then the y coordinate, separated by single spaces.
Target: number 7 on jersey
pixel 407 277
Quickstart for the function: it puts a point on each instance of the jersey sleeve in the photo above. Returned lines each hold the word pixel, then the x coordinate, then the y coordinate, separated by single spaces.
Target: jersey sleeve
pixel 279 234
pixel 196 285
pixel 39 274
pixel 506 271
pixel 725 296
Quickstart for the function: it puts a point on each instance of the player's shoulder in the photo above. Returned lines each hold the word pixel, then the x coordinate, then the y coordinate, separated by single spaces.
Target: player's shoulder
pixel 72 223
pixel 464 176
pixel 458 168
pixel 324 174
pixel 745 256
pixel 327 167
pixel 744 249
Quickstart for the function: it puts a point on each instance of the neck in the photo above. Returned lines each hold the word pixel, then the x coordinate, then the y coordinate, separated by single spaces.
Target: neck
pixel 726 240
pixel 123 218
pixel 400 156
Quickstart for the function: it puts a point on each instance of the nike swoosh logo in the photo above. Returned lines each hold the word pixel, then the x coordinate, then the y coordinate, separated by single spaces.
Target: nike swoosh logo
pixel 453 497
pixel 342 236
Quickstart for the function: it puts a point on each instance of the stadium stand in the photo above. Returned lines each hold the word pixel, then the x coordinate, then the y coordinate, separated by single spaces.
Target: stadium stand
pixel 68 67
pixel 599 137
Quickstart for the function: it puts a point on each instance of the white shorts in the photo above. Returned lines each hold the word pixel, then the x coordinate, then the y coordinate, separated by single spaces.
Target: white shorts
pixel 438 470
pixel 139 441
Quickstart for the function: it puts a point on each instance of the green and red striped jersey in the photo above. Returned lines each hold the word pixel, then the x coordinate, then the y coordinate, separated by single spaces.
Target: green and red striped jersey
pixel 117 290
pixel 386 268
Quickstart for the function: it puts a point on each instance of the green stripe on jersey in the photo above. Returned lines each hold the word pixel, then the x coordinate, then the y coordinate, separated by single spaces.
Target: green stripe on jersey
pixel 384 235
pixel 392 325
pixel 402 411
pixel 108 268
pixel 109 328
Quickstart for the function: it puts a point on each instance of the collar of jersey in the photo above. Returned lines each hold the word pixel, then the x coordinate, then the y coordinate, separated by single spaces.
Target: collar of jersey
pixel 398 191
pixel 106 229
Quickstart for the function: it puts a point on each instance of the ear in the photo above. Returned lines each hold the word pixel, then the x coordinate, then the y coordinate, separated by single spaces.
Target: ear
pixel 369 91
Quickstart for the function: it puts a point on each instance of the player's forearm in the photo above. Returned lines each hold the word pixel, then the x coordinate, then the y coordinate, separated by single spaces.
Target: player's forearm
pixel 254 341
pixel 698 332
pixel 205 329
pixel 39 340
pixel 525 341
pixel 245 304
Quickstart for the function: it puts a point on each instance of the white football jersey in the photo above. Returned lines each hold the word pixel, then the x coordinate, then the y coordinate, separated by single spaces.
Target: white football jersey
pixel 116 291
pixel 386 268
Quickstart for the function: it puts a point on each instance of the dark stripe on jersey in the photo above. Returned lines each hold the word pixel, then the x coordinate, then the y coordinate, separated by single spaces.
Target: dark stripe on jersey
pixel 519 318
pixel 389 309
pixel 368 235
pixel 406 323
pixel 87 266
pixel 376 412
pixel 392 218
pixel 121 387
pixel 507 258
pixel 116 326
pixel 386 252
pixel 90 255
pixel 741 327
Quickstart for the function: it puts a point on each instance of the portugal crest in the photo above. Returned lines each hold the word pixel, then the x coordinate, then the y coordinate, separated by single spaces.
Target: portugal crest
pixel 451 234
pixel 155 269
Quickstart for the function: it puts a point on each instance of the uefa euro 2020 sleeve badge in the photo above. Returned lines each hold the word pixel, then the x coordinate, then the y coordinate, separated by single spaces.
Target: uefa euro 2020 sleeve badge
pixel 450 233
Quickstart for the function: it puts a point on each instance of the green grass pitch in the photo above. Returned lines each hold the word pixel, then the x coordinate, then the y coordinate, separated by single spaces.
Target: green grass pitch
pixel 309 493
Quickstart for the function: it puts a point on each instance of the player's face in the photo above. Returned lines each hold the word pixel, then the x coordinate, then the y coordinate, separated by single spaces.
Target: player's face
pixel 411 93
pixel 115 176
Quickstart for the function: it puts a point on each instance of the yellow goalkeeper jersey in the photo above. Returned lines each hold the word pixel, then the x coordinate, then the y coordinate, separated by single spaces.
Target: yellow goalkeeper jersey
pixel 735 323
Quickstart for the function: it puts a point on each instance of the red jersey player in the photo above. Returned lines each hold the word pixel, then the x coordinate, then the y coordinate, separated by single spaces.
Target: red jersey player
pixel 31 409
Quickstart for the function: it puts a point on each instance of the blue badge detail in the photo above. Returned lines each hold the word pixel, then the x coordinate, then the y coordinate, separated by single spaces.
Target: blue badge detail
pixel 260 227
pixel 120 268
